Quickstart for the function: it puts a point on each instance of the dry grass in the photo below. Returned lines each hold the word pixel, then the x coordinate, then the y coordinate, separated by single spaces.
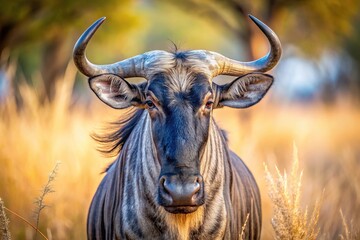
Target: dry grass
pixel 4 223
pixel 289 220
pixel 349 232
pixel 328 138
pixel 36 136
pixel 40 201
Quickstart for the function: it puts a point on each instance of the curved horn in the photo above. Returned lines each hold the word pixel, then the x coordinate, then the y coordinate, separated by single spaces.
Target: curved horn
pixel 227 66
pixel 131 67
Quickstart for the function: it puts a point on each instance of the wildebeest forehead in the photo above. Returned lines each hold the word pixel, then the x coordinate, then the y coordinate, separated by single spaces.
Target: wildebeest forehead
pixel 183 89
pixel 195 61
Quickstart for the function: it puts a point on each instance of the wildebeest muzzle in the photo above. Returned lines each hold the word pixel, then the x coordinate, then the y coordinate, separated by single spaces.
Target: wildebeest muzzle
pixel 181 194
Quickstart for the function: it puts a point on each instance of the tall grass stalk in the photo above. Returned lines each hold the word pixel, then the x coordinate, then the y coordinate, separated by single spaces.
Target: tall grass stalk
pixel 4 223
pixel 289 221
pixel 349 232
pixel 47 189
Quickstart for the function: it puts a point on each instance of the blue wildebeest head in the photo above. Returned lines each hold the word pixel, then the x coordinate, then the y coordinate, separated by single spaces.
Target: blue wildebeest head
pixel 179 96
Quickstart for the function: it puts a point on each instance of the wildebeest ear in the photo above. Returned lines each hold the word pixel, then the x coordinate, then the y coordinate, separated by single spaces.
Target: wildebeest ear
pixel 116 91
pixel 244 91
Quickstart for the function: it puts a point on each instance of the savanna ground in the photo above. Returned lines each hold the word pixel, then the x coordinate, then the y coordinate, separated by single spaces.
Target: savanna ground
pixel 35 136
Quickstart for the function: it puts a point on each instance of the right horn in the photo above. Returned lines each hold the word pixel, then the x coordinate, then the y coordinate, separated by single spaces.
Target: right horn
pixel 227 66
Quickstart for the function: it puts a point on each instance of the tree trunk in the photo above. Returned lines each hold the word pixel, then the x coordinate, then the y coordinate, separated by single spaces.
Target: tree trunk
pixel 55 57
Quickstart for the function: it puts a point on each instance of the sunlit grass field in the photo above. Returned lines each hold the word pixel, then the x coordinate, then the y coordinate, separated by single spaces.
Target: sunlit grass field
pixel 35 136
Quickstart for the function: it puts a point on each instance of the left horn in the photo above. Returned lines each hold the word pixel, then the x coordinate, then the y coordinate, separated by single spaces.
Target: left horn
pixel 227 66
pixel 131 67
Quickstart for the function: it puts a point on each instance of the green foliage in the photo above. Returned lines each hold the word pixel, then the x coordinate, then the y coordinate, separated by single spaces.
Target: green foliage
pixel 50 28
pixel 352 45
pixel 38 20
pixel 313 25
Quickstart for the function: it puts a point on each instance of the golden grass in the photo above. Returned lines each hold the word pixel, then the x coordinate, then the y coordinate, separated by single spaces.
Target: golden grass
pixel 349 232
pixel 40 201
pixel 289 220
pixel 35 136
pixel 328 139
pixel 4 223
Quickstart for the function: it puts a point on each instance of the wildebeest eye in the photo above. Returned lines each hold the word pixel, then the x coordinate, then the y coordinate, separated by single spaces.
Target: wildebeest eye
pixel 209 104
pixel 150 104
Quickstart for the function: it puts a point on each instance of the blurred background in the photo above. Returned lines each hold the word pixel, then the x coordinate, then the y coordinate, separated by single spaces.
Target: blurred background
pixel 47 111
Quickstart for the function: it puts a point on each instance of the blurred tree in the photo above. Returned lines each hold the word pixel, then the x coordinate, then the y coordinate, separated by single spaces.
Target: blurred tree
pixel 352 48
pixel 312 26
pixel 52 24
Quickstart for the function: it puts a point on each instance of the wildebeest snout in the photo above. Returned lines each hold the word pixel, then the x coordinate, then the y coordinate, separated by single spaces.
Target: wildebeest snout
pixel 181 194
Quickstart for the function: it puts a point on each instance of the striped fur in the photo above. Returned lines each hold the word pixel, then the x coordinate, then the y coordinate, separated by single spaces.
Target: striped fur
pixel 124 206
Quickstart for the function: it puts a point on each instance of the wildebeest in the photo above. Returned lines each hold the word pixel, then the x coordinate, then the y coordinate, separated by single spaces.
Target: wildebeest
pixel 175 177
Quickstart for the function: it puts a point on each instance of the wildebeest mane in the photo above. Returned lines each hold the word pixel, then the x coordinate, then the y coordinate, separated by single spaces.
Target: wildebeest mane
pixel 116 134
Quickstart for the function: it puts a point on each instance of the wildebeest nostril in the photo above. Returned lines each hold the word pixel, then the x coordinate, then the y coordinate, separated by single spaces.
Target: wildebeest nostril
pixel 197 186
pixel 162 183
pixel 199 179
